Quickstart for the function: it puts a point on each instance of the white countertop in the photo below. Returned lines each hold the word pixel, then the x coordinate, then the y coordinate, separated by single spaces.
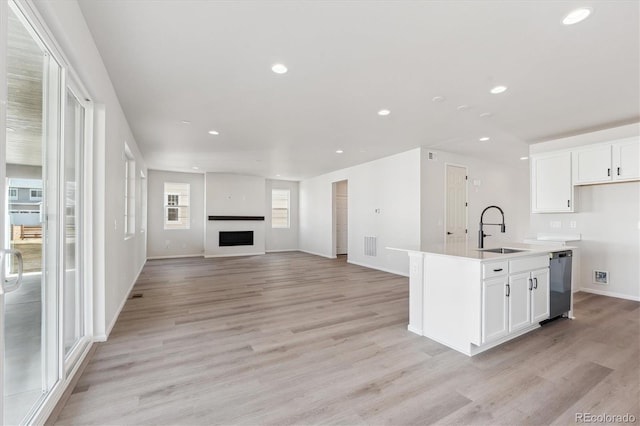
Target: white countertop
pixel 471 251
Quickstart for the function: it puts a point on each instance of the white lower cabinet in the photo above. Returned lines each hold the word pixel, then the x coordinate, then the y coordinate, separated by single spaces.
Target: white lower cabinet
pixel 516 301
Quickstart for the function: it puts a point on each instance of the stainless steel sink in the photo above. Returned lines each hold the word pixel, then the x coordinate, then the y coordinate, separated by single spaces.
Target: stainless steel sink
pixel 503 250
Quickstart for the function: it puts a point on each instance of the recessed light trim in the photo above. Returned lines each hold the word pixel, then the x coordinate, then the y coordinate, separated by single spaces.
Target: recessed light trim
pixel 576 16
pixel 524 158
pixel 196 168
pixel 484 138
pixel 437 99
pixel 339 151
pixel 485 115
pixel 185 122
pixel 214 132
pixel 498 89
pixel 463 107
pixel 279 68
pixel 384 112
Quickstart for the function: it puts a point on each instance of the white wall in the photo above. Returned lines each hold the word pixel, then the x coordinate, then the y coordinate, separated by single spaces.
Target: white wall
pixel 498 185
pixel 234 195
pixel 390 186
pixel 281 239
pixel 117 262
pixel 174 242
pixel 608 218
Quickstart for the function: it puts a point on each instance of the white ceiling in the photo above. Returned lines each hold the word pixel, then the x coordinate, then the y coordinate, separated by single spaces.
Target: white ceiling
pixel 209 62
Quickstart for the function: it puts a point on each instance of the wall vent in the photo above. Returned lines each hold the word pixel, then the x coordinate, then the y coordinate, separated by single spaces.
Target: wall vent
pixel 370 246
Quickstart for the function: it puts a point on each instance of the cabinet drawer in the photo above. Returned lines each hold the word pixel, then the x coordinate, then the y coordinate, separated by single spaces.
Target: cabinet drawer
pixel 495 269
pixel 528 264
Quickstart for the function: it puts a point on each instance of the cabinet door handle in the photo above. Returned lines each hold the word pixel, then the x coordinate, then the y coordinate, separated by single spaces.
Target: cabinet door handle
pixel 568 203
pixel 608 172
pixel 497 270
pixel 618 171
pixel 530 284
pixel 535 283
pixel 508 290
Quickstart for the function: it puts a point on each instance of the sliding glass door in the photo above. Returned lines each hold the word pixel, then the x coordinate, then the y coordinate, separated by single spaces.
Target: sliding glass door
pixel 43 295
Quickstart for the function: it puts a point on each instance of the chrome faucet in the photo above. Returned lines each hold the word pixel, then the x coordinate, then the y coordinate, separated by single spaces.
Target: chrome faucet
pixel 481 233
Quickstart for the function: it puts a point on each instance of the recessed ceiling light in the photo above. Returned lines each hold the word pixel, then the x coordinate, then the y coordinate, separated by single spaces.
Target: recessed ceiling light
pixel 485 115
pixel 484 138
pixel 498 89
pixel 524 158
pixel 339 151
pixel 277 175
pixel 214 132
pixel 463 107
pixel 437 98
pixel 279 68
pixel 576 16
pixel 195 168
pixel 384 112
pixel 185 122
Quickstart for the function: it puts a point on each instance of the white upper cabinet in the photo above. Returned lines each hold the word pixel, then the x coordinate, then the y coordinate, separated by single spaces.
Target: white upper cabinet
pixel 602 163
pixel 551 188
pixel 626 160
pixel 592 165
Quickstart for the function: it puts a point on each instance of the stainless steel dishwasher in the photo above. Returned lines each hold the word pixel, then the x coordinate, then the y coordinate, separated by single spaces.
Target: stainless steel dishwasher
pixel 560 283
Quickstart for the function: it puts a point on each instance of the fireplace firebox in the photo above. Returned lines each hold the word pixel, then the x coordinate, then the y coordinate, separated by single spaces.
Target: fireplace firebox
pixel 235 238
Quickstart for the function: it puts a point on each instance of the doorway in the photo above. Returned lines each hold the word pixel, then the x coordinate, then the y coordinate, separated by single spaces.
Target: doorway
pixel 341 217
pixel 455 203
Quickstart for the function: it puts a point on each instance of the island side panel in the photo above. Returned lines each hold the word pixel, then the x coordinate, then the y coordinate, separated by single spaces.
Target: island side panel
pixel 452 301
pixel 416 299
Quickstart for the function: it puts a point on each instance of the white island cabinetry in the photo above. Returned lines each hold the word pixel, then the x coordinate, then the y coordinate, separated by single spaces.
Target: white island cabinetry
pixel 472 300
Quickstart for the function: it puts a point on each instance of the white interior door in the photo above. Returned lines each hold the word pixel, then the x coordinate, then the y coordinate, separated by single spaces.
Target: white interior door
pixel 456 203
pixel 342 214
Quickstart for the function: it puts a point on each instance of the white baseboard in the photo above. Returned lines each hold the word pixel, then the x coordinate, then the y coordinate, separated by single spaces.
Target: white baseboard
pixel 176 256
pixel 317 254
pixel 610 294
pixel 281 251
pixel 415 330
pixel 391 271
pixel 207 256
pixel 117 314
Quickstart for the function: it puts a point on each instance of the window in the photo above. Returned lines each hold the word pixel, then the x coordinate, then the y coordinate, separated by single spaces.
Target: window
pixel 280 208
pixel 176 205
pixel 13 193
pixel 35 194
pixel 129 193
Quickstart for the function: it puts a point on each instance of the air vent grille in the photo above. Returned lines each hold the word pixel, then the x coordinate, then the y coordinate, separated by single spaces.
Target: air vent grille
pixel 370 246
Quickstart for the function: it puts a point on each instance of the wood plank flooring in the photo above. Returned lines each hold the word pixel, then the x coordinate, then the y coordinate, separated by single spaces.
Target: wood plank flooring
pixel 291 338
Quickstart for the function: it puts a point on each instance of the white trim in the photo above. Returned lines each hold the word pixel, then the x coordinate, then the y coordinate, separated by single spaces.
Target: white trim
pixel 318 254
pixel 415 330
pixel 610 294
pixel 207 256
pixel 49 404
pixel 281 251
pixel 175 256
pixel 105 336
pixel 391 271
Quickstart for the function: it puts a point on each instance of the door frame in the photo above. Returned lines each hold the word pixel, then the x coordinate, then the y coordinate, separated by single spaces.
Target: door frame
pixel 466 197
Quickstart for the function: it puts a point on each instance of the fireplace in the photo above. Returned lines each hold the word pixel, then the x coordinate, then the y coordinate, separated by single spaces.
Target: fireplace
pixel 235 238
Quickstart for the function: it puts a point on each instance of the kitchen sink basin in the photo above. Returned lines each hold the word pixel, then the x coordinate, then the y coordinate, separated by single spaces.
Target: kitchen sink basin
pixel 503 250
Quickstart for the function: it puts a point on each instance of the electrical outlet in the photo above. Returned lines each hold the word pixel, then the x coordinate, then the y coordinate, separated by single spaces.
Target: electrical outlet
pixel 555 224
pixel 573 224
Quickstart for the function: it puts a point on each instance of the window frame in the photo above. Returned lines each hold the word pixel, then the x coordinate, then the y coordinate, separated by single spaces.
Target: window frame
pixel 287 209
pixel 184 193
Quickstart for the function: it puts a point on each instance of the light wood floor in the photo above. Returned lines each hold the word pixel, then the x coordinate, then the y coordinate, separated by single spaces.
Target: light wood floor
pixel 297 339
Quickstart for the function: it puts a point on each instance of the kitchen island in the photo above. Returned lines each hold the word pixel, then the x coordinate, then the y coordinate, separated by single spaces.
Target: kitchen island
pixel 472 299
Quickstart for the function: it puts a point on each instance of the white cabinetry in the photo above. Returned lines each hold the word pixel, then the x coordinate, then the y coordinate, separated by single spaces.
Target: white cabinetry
pixel 516 301
pixel 610 162
pixel 551 187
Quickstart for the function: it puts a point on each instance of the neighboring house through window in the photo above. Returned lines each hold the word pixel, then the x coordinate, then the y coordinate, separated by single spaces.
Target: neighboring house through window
pixel 176 205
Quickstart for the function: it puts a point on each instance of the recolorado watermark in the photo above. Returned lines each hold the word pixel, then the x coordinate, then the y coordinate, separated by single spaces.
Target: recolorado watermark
pixel 605 418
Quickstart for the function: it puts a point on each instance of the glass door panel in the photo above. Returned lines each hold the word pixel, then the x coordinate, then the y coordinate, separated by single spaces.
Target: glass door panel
pixel 73 291
pixel 30 160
